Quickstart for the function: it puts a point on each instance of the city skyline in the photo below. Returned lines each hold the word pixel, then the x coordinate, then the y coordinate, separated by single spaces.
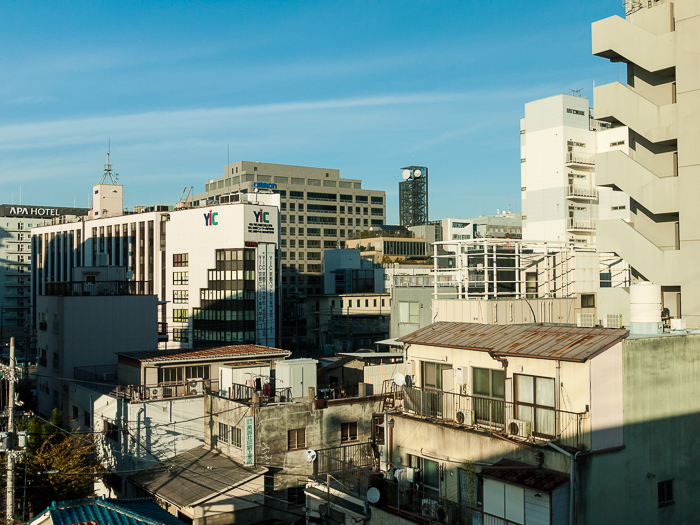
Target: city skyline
pixel 364 88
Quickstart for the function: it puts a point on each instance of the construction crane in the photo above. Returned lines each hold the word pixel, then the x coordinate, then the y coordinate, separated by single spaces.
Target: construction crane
pixel 181 204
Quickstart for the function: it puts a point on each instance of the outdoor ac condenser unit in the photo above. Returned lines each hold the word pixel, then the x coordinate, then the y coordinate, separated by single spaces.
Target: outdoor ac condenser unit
pixel 518 427
pixel 465 417
pixel 586 320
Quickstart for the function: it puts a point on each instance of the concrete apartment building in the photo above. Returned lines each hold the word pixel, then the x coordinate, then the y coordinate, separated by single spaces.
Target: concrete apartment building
pixel 658 105
pixel 16 221
pixel 558 142
pixel 319 210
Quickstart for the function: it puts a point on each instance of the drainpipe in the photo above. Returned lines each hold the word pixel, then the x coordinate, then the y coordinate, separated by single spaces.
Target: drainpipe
pixel 571 480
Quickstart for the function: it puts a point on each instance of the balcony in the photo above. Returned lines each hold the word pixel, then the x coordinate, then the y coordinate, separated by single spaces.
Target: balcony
pixel 581 193
pixel 244 394
pixel 620 41
pixel 162 331
pixel 350 470
pixel 575 224
pixel 580 159
pixel 494 415
pixel 167 390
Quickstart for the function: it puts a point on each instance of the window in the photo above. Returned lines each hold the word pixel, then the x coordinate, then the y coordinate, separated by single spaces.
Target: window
pixel 377 200
pixel 619 208
pixel 408 312
pixel 181 335
pixel 488 392
pixel 430 471
pixel 170 375
pixel 575 111
pixel 180 316
pixel 618 143
pixel 534 397
pixel 297 497
pixel 75 413
pixel 296 439
pixel 223 433
pixel 180 296
pixel 111 431
pixel 180 259
pixel 348 432
pixel 236 437
pixel 666 493
pixel 587 300
pixel 86 415
pixel 361 198
pixel 358 303
pixel 432 374
pixel 181 278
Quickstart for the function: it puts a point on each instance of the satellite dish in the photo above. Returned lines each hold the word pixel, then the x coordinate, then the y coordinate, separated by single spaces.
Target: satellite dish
pixel 399 379
pixel 417 173
pixel 406 174
pixel 129 275
pixel 310 456
pixel 373 495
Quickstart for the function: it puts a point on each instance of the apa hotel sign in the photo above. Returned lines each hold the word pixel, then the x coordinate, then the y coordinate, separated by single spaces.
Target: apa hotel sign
pixel 11 210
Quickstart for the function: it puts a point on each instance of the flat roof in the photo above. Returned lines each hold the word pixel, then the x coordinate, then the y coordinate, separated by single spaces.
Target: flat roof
pixel 370 355
pixel 517 473
pixel 564 343
pixel 207 354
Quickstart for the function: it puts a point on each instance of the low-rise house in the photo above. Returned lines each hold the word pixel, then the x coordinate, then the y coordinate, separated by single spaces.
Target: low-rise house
pixel 202 486
pixel 102 511
pixel 152 408
pixel 275 431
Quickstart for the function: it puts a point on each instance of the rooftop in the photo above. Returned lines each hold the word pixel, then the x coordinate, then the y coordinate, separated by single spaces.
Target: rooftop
pixel 539 479
pixel 563 343
pixel 207 354
pixel 139 511
pixel 195 476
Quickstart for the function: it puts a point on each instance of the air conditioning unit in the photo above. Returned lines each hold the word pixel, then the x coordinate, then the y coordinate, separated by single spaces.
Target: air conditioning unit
pixel 612 321
pixel 465 417
pixel 193 388
pixel 135 395
pixel 585 320
pixel 429 508
pixel 677 325
pixel 156 392
pixel 519 428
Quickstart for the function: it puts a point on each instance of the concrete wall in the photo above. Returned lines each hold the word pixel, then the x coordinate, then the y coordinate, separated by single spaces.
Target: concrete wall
pixel 423 295
pixel 661 428
pixel 323 428
pixel 88 331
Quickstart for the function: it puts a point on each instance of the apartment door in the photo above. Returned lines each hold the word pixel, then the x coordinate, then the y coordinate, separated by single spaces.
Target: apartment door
pixel 448 388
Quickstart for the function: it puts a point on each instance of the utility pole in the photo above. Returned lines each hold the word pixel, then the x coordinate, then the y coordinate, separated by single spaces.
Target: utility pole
pixel 11 436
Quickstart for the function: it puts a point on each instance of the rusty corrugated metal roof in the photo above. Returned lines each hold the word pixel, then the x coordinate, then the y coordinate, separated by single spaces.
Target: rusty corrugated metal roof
pixel 563 343
pixel 539 479
pixel 222 352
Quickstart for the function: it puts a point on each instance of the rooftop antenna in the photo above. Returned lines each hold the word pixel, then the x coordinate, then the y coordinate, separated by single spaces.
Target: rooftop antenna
pixel 576 92
pixel 108 177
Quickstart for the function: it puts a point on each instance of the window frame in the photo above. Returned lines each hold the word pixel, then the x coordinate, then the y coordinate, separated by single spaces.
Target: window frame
pixel 346 432
pixel 293 442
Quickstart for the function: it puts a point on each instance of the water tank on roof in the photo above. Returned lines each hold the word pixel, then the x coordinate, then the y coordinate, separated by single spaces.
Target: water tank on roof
pixel 645 309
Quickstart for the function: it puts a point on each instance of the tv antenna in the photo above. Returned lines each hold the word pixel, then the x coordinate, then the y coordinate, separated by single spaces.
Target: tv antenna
pixel 109 177
pixel 576 92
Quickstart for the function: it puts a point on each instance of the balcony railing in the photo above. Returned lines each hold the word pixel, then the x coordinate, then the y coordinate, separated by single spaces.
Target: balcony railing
pixel 166 390
pixel 83 288
pixel 572 223
pixel 424 507
pixel 244 394
pixel 583 192
pixel 513 418
pixel 580 159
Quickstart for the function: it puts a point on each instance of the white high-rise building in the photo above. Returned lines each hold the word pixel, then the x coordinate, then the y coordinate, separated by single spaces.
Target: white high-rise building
pixel 560 201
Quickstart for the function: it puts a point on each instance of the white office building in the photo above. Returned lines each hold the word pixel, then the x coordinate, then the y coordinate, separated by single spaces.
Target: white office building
pixel 559 140
pixel 214 269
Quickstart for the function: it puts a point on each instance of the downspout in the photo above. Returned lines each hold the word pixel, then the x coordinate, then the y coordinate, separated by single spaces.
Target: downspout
pixel 571 478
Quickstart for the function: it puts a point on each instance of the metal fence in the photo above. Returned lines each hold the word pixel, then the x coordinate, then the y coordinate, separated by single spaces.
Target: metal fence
pixel 352 466
pixel 244 393
pixel 424 507
pixel 514 418
pixel 170 390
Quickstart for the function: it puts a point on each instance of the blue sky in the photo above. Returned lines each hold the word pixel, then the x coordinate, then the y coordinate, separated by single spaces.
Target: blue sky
pixel 364 87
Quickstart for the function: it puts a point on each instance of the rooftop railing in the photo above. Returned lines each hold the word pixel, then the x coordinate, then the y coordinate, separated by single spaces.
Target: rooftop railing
pixel 83 288
pixel 574 223
pixel 581 159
